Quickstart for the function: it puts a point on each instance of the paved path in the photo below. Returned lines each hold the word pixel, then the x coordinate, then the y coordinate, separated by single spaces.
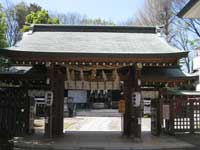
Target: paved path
pixel 102 141
pixel 102 133
pixel 93 124
pixel 99 124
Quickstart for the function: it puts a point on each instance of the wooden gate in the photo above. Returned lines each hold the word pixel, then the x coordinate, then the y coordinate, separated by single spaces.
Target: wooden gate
pixel 184 115
pixel 155 117
pixel 14 111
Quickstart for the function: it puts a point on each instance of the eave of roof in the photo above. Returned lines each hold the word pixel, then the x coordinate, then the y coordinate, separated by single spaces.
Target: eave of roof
pixel 188 7
pixel 16 70
pixel 164 74
pixel 23 73
pixel 181 92
pixel 8 52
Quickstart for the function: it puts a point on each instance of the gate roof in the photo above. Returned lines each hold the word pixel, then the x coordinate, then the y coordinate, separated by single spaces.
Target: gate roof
pixel 73 41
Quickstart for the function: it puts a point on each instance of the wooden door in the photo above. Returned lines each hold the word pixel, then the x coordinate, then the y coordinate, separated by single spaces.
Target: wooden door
pixel 155 117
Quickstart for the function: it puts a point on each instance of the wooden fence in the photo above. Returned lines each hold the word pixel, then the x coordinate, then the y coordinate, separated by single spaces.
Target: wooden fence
pixel 14 111
pixel 184 115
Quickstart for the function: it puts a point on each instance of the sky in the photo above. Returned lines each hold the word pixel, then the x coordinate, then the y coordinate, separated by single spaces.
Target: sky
pixel 115 10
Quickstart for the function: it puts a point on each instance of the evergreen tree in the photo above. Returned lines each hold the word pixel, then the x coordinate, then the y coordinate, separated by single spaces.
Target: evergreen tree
pixel 39 17
pixel 3 42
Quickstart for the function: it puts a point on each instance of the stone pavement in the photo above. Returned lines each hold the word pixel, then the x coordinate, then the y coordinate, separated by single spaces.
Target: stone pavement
pixel 190 138
pixel 81 140
pixel 82 123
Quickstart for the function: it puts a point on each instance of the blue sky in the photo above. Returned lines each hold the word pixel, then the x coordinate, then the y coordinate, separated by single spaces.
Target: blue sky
pixel 116 10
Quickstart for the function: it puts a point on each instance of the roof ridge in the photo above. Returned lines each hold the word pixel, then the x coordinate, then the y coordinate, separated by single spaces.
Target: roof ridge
pixel 92 28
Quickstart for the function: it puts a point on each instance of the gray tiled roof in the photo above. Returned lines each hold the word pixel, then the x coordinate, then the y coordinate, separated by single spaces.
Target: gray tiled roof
pixel 135 40
pixel 163 73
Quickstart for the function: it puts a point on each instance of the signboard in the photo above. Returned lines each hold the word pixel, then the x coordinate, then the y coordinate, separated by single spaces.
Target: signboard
pixel 166 112
pixel 150 94
pixel 49 98
pixel 196 63
pixel 136 98
pixel 79 96
pixel 121 106
pixel 198 87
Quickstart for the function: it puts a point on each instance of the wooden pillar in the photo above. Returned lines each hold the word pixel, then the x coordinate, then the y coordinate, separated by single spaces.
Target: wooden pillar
pixel 191 114
pixel 137 108
pixel 54 113
pixel 132 116
pixel 58 103
pixel 172 114
pixel 160 113
pixel 48 109
pixel 128 107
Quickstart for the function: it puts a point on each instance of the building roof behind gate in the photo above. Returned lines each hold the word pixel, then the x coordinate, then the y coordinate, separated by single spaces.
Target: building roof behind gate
pixel 181 92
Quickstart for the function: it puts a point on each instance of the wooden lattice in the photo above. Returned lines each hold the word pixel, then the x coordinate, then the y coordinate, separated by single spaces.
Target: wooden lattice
pixel 196 114
pixel 181 115
pixel 186 115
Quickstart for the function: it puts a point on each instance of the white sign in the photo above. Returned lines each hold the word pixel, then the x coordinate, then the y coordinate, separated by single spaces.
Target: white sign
pixel 150 94
pixel 166 112
pixel 139 121
pixel 198 87
pixel 49 98
pixel 79 96
pixel 136 98
pixel 196 63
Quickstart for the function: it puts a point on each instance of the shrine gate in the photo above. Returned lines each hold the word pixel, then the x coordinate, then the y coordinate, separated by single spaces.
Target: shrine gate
pixel 134 60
